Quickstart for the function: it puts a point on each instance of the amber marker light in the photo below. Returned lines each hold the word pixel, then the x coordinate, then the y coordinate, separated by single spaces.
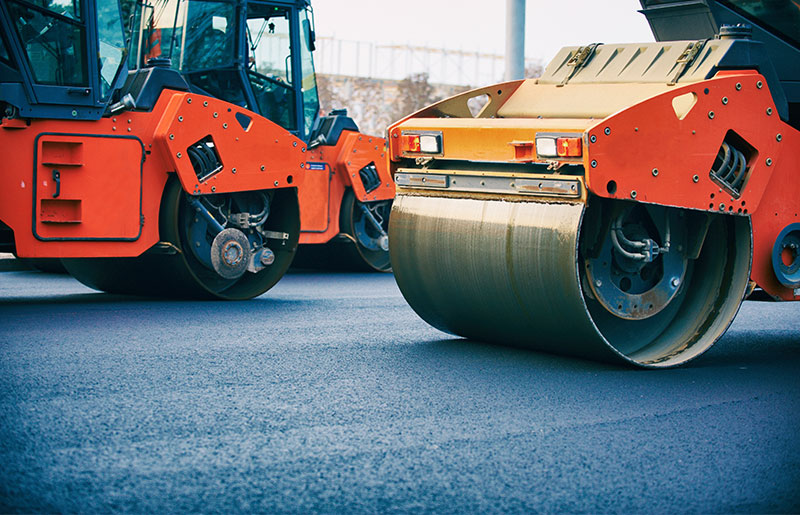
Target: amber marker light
pixel 569 147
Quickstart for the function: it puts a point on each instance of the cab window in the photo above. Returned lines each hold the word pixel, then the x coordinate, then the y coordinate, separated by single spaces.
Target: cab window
pixel 54 38
pixel 269 63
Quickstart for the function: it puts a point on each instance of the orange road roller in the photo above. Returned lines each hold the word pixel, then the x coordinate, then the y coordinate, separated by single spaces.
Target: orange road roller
pixel 621 206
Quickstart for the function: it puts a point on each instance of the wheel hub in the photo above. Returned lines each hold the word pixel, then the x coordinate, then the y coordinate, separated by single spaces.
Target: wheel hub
pixel 230 253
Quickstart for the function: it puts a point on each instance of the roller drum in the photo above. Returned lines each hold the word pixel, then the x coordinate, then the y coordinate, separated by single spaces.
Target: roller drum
pixel 512 273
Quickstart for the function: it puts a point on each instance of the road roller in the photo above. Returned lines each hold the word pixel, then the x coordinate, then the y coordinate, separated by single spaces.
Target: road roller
pixel 621 206
pixel 169 158
pixel 258 55
pixel 138 182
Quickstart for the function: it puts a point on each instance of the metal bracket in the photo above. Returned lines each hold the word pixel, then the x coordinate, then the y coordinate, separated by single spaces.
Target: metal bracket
pixel 686 58
pixel 578 60
pixel 275 235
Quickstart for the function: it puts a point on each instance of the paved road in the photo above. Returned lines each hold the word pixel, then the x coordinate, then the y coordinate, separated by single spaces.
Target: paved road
pixel 329 394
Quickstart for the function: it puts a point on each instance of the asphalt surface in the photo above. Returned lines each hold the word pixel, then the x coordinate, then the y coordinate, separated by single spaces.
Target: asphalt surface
pixel 328 394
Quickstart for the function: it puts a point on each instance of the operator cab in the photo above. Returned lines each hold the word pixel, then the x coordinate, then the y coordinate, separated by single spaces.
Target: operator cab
pixel 45 71
pixel 258 58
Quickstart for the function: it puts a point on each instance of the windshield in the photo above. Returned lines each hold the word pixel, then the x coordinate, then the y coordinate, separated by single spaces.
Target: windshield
pixel 781 16
pixel 309 85
pixel 53 35
pixel 111 40
pixel 194 34
pixel 269 63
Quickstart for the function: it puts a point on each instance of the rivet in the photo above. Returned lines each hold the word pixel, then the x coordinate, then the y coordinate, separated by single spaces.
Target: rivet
pixel 180 118
pixel 294 143
pixel 593 138
pixel 676 282
pixel 721 207
pixel 189 100
pixel 216 115
pixel 769 111
pixel 655 172
pixel 74 112
pixel 607 131
pixel 129 120
pixel 276 183
pixel 738 86
pixel 695 178
pixel 394 135
pixel 303 149
pixel 179 155
pixel 233 170
pixel 205 103
pixel 633 194
pixel 759 84
pixel 262 168
pixel 224 125
pixel 594 163
pixel 778 137
pixel 213 188
pixel 724 100
pixel 711 115
pixel 171 136
pixel 769 161
pixel 598 283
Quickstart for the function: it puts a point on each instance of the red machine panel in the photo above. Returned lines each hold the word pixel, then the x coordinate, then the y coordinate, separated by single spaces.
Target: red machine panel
pixel 662 150
pixel 88 187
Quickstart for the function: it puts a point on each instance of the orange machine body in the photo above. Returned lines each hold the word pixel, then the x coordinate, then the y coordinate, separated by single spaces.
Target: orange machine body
pixel 656 150
pixel 94 188
pixel 330 171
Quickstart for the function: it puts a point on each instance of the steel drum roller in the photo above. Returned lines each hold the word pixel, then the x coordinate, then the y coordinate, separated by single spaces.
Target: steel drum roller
pixel 512 273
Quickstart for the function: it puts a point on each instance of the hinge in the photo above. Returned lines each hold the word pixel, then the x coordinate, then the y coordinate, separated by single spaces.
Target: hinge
pixel 578 60
pixel 686 58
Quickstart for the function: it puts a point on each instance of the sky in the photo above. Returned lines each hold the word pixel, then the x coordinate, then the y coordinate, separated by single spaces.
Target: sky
pixel 476 25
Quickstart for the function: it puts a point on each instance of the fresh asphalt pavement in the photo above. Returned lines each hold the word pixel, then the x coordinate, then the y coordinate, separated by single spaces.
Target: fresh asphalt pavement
pixel 328 394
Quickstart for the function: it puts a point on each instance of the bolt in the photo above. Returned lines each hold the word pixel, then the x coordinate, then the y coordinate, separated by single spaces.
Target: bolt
pixel 294 144
pixel 205 103
pixel 594 163
pixel 180 118
pixel 607 131
pixel 695 178
pixel 633 194
pixel 711 115
pixel 593 138
pixel 276 183
pixel 778 137
pixel 769 111
pixel 759 84
pixel 197 244
pixel 189 100
pixel 171 136
pixel 262 168
pixel 213 188
pixel 769 161
pixel 738 86
pixel 675 282
pixel 216 115
pixel 598 283
pixel 225 125
pixel 721 206
pixel 233 170
pixel 724 100
pixel 179 155
pixel 655 172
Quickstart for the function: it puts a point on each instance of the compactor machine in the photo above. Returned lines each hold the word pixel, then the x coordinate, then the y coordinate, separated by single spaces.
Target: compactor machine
pixel 619 207
pixel 258 55
pixel 127 164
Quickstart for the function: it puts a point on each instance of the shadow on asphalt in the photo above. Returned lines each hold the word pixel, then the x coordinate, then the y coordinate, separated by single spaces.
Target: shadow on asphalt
pixel 109 298
pixel 733 350
pixel 472 350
